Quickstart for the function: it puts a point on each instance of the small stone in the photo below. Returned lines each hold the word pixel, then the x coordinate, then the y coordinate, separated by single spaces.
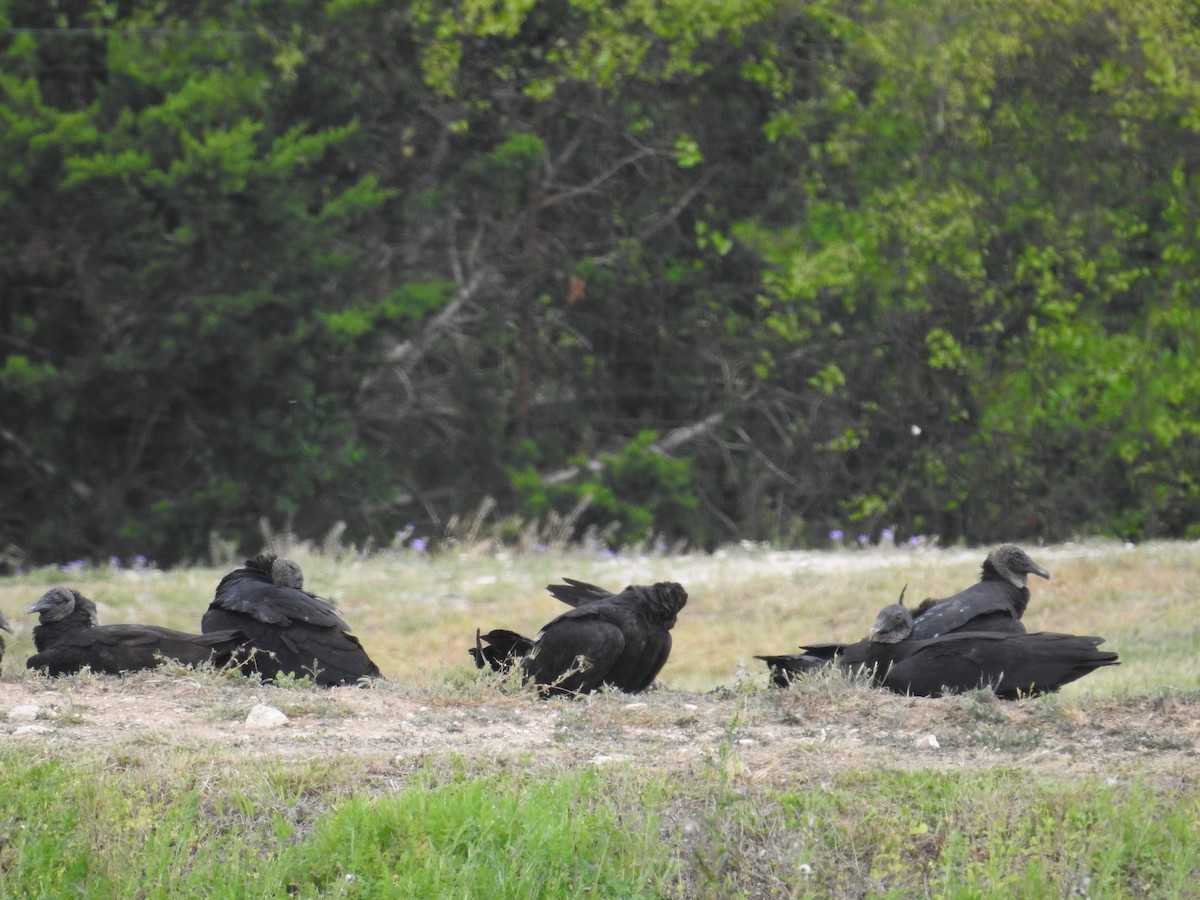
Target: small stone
pixel 602 758
pixel 929 741
pixel 262 716
pixel 26 712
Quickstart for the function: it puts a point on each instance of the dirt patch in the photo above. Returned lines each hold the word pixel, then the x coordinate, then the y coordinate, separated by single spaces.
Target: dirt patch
pixel 806 733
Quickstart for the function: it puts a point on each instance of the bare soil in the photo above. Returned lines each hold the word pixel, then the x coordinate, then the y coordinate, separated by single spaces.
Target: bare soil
pixel 809 732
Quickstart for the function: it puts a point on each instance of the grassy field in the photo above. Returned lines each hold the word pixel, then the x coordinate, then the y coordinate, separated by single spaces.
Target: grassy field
pixel 447 782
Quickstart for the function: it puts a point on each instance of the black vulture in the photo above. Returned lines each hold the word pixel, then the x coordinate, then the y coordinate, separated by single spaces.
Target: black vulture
pixel 1011 664
pixel 994 603
pixel 505 647
pixel 70 637
pixel 290 630
pixel 817 656
pixel 4 626
pixel 502 651
pixel 786 667
pixel 622 641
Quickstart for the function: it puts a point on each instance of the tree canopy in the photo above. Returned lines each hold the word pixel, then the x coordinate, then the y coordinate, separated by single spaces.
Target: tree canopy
pixel 730 269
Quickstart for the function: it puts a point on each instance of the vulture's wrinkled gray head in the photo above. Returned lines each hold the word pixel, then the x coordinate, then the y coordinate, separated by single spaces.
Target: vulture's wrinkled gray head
pixel 1013 564
pixel 660 602
pixel 4 624
pixel 287 573
pixel 54 605
pixel 893 625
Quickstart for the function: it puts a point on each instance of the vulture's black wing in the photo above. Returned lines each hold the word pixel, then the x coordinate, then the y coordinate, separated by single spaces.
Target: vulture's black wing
pixel 985 606
pixel 578 593
pixel 112 649
pixel 246 592
pixel 502 650
pixel 290 630
pixel 5 626
pixel 1013 665
pixel 574 653
pixel 622 641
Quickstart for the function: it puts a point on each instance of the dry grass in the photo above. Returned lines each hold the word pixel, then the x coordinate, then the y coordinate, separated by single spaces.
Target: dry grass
pixel 417 614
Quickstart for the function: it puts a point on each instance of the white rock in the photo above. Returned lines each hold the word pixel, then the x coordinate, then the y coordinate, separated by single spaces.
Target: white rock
pixel 32 729
pixel 929 741
pixel 602 758
pixel 26 712
pixel 262 716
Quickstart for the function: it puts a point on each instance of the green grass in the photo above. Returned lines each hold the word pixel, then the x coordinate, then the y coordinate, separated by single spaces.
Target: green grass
pixel 89 826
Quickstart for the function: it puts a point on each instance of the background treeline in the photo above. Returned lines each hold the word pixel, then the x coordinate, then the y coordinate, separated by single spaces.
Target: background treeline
pixel 728 268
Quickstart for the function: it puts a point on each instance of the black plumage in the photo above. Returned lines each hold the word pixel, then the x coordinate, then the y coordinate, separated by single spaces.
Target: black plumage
pixel 504 648
pixel 4 626
pixel 69 637
pixel 994 603
pixel 290 630
pixel 784 668
pixel 1011 664
pixel 578 593
pixel 502 651
pixel 622 641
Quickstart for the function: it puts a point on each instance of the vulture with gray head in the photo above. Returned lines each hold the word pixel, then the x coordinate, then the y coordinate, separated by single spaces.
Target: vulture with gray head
pixel 69 637
pixel 290 630
pixel 1012 664
pixel 891 620
pixel 994 603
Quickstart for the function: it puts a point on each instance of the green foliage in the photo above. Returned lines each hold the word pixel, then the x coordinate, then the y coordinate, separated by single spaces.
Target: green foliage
pixel 929 265
pixel 638 489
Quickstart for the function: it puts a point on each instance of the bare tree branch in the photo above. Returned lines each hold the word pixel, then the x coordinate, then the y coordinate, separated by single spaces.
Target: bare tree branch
pixel 595 183
pixel 662 221
pixel 82 491
pixel 670 442
pixel 406 355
